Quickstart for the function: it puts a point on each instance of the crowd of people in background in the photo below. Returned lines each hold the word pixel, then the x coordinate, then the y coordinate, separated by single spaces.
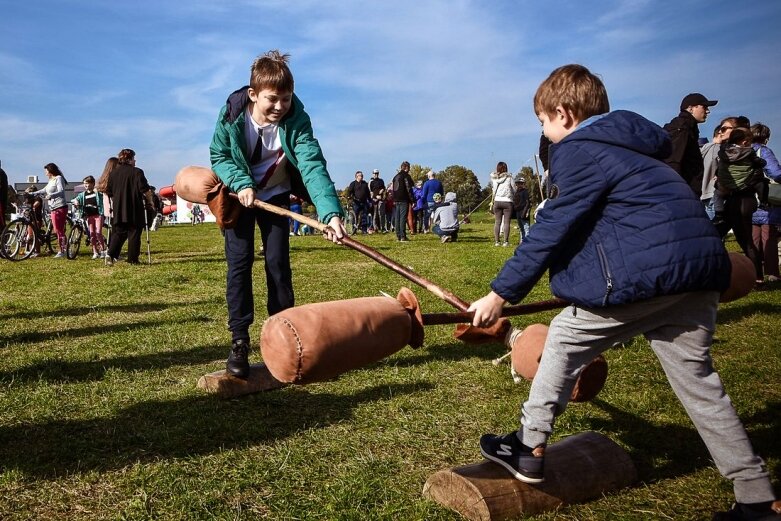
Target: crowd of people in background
pixel 736 177
pixel 735 174
pixel 121 200
pixel 404 207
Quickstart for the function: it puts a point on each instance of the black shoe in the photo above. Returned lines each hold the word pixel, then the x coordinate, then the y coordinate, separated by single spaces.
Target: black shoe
pixel 746 512
pixel 238 359
pixel 510 453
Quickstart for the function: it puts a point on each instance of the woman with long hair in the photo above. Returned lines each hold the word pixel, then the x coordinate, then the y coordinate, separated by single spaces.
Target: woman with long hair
pixel 102 183
pixel 503 190
pixel 58 206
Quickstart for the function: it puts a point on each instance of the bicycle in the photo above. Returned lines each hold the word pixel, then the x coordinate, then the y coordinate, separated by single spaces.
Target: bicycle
pixel 78 230
pixel 23 236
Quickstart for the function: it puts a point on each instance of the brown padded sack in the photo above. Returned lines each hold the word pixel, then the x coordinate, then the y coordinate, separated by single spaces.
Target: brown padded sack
pixel 741 278
pixel 317 342
pixel 410 302
pixel 482 335
pixel 198 184
pixel 194 183
pixel 226 209
pixel 527 350
pixel 590 381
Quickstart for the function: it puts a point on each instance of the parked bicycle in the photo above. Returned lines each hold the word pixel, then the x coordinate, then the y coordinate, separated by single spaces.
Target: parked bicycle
pixel 78 230
pixel 24 236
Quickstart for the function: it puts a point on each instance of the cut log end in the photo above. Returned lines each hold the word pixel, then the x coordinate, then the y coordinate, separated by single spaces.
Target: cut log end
pixel 578 468
pixel 226 386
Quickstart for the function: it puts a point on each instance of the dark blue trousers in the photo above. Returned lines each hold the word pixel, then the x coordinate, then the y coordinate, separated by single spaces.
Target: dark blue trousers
pixel 240 254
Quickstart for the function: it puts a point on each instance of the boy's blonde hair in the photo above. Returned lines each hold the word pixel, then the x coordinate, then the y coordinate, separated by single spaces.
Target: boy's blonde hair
pixel 270 71
pixel 576 89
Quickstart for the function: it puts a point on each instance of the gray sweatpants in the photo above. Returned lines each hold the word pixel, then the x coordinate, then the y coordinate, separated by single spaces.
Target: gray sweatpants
pixel 680 329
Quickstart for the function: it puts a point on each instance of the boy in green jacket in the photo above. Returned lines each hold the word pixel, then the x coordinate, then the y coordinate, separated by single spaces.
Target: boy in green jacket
pixel 263 148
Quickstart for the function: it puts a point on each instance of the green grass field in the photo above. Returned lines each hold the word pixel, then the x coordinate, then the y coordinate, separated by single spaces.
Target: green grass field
pixel 100 417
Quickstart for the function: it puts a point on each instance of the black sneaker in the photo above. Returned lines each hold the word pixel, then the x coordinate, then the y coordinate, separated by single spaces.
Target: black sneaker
pixel 238 359
pixel 510 453
pixel 749 512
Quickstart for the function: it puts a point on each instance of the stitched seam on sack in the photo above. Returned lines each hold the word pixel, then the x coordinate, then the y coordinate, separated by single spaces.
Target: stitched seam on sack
pixel 299 347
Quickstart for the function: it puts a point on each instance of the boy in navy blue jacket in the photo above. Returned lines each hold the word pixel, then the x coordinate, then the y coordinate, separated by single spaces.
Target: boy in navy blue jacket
pixel 626 241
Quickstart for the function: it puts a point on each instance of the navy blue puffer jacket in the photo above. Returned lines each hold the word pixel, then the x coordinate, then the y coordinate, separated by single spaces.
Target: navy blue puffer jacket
pixel 620 226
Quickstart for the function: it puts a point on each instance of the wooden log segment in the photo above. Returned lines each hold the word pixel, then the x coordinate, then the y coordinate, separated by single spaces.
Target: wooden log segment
pixel 226 386
pixel 577 469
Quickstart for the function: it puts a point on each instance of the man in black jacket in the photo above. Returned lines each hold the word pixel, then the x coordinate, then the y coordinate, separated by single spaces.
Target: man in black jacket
pixel 401 186
pixel 359 194
pixel 377 189
pixel 686 158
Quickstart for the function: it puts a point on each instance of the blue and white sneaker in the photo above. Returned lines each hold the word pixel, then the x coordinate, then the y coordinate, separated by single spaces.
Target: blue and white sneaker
pixel 523 463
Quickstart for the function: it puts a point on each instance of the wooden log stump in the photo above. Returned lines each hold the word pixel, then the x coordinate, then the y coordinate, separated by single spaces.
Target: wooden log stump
pixel 226 386
pixel 577 468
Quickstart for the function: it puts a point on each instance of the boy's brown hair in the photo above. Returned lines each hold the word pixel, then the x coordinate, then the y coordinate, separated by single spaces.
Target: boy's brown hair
pixel 576 89
pixel 88 179
pixel 740 136
pixel 126 156
pixel 270 71
pixel 760 133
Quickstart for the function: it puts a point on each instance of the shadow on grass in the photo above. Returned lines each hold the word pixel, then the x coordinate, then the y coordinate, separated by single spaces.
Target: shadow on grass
pixel 83 310
pixel 667 451
pixel 83 371
pixel 154 430
pixel 194 260
pixel 738 312
pixel 448 352
pixel 42 336
pixel 78 311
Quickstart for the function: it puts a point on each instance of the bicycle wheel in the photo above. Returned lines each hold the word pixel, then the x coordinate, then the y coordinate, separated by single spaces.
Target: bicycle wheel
pixel 48 237
pixel 74 241
pixel 17 240
pixel 352 223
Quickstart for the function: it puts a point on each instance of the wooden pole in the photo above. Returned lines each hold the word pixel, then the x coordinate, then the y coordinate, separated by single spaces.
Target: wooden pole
pixel 539 181
pixel 577 469
pixel 373 254
pixel 462 317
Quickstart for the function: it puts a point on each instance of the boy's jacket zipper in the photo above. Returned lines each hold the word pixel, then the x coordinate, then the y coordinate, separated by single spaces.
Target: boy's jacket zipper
pixel 605 273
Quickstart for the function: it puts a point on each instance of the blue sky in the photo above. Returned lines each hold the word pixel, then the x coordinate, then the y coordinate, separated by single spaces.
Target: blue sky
pixel 432 82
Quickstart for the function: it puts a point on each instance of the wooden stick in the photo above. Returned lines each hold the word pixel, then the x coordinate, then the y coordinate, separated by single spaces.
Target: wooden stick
pixel 431 319
pixel 373 254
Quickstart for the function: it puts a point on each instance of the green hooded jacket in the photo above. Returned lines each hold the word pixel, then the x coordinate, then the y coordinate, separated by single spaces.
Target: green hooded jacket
pixel 309 176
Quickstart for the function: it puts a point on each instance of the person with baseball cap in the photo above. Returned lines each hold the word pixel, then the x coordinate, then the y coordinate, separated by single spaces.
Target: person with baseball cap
pixel 686 158
pixel 378 195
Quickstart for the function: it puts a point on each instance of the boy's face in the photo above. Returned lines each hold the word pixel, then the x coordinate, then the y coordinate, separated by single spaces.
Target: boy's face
pixel 88 185
pixel 269 105
pixel 558 125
